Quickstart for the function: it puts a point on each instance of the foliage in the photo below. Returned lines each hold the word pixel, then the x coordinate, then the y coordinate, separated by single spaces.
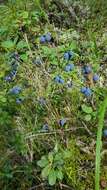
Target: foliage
pixel 49 100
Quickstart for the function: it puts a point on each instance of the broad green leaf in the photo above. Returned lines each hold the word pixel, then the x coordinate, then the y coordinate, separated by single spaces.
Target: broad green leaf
pixel 9 44
pixel 59 174
pixel 42 163
pixel 52 177
pixel 88 117
pixel 86 109
pixel 58 157
pixel 22 44
pixel 24 57
pixel 45 171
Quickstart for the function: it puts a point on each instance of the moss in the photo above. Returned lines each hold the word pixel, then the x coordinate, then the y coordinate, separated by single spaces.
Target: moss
pixel 78 171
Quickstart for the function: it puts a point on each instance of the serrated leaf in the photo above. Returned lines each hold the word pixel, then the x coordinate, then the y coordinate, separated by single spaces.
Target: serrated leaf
pixel 45 171
pixel 86 109
pixel 52 177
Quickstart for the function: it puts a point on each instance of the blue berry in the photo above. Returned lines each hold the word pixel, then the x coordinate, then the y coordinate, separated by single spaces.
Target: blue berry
pixel 8 78
pixel 19 100
pixel 42 39
pixel 61 81
pixel 87 69
pixel 15 90
pixel 66 56
pixel 48 37
pixel 58 79
pixel 83 89
pixel 95 78
pixel 62 122
pixel 45 127
pixel 69 67
pixel 105 132
pixel 88 92
pixel 71 54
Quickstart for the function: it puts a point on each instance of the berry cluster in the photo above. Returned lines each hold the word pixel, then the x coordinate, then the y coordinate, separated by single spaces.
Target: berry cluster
pixel 46 38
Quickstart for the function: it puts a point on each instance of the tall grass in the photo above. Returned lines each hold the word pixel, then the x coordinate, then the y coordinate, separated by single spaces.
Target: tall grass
pixel 102 111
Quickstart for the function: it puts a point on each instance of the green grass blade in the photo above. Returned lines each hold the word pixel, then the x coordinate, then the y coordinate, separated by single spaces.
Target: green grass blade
pixel 99 143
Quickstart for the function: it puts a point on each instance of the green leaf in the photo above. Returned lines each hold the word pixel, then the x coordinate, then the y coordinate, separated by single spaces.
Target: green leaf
pixel 88 117
pixel 9 44
pixel 86 109
pixel 52 177
pixel 43 162
pixel 59 174
pixel 50 156
pixel 22 44
pixel 24 57
pixel 46 171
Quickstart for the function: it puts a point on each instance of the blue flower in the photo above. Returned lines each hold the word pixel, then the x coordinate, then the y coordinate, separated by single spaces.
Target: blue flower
pixel 15 90
pixel 95 78
pixel 69 67
pixel 42 39
pixel 62 122
pixel 87 70
pixel 59 79
pixel 105 132
pixel 86 91
pixel 48 37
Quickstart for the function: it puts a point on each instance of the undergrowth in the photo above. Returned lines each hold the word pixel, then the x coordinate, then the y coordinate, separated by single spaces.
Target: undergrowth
pixel 53 78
